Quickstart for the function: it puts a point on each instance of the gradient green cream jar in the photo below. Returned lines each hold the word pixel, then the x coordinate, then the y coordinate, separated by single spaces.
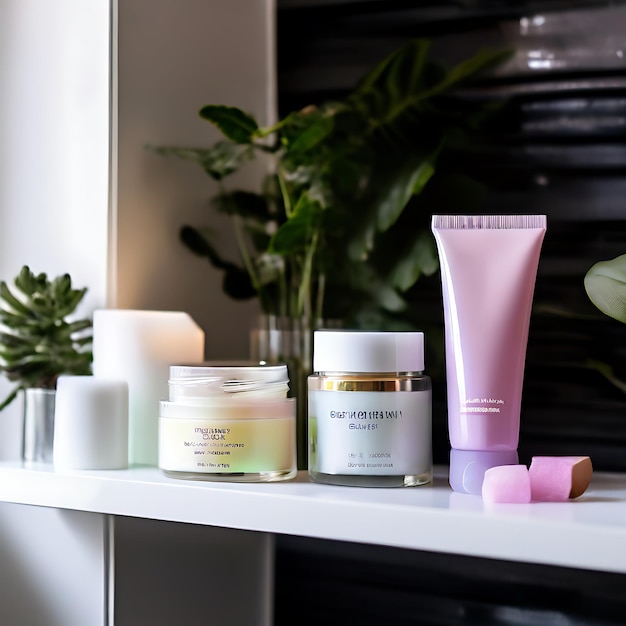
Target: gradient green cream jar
pixel 228 422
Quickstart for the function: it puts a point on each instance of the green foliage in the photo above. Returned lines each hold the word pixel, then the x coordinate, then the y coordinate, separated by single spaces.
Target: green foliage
pixel 605 284
pixel 337 231
pixel 37 343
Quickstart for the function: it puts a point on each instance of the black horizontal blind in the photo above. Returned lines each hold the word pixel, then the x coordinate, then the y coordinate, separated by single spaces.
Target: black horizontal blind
pixel 325 582
pixel 559 148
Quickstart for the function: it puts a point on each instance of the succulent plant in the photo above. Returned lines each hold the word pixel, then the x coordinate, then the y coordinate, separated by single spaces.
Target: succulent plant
pixel 37 342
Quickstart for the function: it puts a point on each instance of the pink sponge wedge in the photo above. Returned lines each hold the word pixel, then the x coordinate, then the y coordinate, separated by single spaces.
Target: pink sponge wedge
pixel 559 478
pixel 506 483
pixel 549 479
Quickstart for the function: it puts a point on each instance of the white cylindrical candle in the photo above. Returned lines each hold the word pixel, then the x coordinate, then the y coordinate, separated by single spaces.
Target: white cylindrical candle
pixel 90 423
pixel 139 347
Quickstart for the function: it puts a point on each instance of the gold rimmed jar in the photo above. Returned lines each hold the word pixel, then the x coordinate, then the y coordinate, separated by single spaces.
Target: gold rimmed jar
pixel 369 409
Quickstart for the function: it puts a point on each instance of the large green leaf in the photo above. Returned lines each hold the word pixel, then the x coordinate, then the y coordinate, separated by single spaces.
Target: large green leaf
pixel 407 78
pixel 306 129
pixel 69 302
pixel 421 259
pixel 197 241
pixel 246 204
pixel 26 281
pixel 605 284
pixel 237 283
pixel 387 297
pixel 17 305
pixel 12 395
pixel 222 159
pixel 373 77
pixel 392 188
pixel 61 285
pixel 66 331
pixel 233 122
pixel 483 60
pixel 10 319
pixel 389 87
pixel 406 183
pixel 296 233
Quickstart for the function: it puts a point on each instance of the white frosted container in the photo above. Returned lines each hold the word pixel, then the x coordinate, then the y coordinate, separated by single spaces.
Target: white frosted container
pixel 369 409
pixel 139 347
pixel 90 424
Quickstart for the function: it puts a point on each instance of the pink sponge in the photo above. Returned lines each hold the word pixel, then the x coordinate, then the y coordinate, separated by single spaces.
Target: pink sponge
pixel 558 478
pixel 506 483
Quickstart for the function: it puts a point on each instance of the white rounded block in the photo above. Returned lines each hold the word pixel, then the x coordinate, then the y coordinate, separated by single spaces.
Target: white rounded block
pixel 90 423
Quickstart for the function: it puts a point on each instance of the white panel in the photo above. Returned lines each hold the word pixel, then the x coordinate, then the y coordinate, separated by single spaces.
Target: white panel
pixel 54 135
pixel 54 150
pixel 175 57
pixel 54 170
pixel 52 567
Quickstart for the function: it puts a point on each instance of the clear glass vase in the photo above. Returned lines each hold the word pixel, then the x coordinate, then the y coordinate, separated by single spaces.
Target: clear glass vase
pixel 289 340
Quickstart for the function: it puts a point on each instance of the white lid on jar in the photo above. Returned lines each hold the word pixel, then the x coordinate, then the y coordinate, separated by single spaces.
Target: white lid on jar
pixel 236 379
pixel 368 351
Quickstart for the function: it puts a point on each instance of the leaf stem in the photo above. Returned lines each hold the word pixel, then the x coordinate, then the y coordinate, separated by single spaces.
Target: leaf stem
pixel 304 291
pixel 284 192
pixel 245 256
pixel 319 302
pixel 283 293
pixel 10 397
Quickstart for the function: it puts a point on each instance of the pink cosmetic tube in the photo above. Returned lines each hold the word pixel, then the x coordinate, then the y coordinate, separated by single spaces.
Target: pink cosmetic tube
pixel 488 271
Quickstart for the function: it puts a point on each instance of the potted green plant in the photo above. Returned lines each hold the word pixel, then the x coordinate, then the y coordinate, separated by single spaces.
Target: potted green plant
pixel 337 232
pixel 38 343
pixel 326 236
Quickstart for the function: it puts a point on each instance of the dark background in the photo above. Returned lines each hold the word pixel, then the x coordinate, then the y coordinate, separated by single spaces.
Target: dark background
pixel 559 149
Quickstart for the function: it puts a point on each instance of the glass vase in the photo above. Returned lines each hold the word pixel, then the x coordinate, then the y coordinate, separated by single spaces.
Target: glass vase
pixel 38 433
pixel 289 340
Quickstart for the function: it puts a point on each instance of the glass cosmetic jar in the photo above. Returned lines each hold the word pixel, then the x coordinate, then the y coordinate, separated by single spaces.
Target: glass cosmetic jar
pixel 369 409
pixel 228 422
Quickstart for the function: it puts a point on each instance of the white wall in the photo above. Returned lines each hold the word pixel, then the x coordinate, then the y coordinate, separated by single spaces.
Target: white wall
pixel 175 57
pixel 54 186
pixel 54 150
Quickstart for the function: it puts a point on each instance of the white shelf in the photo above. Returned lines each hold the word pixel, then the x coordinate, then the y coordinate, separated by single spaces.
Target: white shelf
pixel 588 533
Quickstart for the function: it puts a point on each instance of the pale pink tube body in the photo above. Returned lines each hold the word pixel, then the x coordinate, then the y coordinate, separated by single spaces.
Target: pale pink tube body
pixel 488 271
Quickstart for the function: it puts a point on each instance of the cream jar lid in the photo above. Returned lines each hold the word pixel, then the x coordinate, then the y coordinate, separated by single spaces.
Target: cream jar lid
pixel 227 380
pixel 358 351
pixel 244 409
